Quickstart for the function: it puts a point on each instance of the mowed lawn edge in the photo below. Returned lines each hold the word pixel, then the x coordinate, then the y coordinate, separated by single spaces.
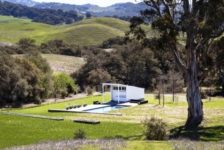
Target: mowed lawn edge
pixel 18 130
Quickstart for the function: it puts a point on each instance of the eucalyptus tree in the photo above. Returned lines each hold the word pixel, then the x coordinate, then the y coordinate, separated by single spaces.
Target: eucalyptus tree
pixel 200 22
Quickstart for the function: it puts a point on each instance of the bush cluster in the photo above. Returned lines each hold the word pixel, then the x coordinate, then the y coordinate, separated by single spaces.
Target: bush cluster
pixel 29 79
pixel 155 129
pixel 24 80
pixel 63 85
pixel 80 134
pixel 129 64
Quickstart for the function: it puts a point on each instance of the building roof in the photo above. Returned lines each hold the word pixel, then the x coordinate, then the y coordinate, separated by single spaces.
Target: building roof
pixel 113 84
pixel 117 84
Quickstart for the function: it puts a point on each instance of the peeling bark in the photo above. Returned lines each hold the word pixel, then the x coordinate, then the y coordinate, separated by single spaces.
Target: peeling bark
pixel 195 105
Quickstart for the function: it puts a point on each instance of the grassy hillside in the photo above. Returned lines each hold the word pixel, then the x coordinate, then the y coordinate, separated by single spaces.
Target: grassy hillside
pixel 66 64
pixel 62 63
pixel 87 32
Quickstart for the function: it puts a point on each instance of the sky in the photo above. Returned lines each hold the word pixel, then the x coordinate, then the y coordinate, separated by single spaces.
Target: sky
pixel 95 2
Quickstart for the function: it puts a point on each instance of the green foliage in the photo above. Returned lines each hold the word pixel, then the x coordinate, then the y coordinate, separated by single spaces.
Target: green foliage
pixel 45 75
pixel 217 72
pixel 113 41
pixel 155 129
pixel 63 85
pixel 60 47
pixel 129 63
pixel 26 43
pixel 80 134
pixel 23 80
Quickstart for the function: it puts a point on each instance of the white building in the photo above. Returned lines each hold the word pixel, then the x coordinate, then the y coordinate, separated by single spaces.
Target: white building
pixel 124 93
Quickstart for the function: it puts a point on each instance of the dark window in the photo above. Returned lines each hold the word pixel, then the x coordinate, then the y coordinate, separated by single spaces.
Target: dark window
pixel 123 88
pixel 115 88
pixel 120 88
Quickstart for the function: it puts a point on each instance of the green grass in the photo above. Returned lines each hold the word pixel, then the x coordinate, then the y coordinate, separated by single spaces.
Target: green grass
pixel 127 126
pixel 43 109
pixel 152 145
pixel 17 130
pixel 173 113
pixel 87 32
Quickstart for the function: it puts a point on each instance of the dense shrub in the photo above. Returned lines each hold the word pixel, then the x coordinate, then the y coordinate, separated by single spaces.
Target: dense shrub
pixel 23 80
pixel 129 64
pixel 89 90
pixel 80 134
pixel 45 74
pixel 204 95
pixel 155 129
pixel 113 41
pixel 63 85
pixel 28 46
pixel 60 47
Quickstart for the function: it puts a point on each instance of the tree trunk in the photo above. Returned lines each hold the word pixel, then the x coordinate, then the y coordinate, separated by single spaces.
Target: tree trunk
pixel 173 91
pixel 195 105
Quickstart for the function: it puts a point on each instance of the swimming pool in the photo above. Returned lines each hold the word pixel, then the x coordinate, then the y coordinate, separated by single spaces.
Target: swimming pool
pixel 105 109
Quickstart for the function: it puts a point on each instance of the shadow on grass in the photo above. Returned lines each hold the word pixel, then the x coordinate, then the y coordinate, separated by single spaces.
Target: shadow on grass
pixel 214 133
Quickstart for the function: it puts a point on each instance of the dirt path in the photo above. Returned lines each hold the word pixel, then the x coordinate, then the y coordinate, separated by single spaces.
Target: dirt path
pixel 52 100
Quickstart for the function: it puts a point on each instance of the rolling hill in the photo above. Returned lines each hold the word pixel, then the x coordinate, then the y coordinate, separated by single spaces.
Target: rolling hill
pixel 87 32
pixel 61 63
pixel 65 64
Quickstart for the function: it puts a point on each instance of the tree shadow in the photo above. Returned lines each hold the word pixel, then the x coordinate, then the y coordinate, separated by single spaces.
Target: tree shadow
pixel 214 133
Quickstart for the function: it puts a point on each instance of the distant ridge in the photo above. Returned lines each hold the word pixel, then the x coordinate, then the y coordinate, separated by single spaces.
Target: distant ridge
pixel 29 3
pixel 120 9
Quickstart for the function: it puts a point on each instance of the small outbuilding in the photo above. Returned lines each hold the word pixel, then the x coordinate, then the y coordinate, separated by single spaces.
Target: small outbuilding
pixel 123 93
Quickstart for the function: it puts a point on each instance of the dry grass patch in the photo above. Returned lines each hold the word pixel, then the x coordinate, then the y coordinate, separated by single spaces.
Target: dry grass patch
pixel 65 64
pixel 192 145
pixel 114 144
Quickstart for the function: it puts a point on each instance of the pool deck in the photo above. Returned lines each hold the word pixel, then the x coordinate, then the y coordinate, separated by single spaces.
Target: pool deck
pixel 128 104
pixel 88 107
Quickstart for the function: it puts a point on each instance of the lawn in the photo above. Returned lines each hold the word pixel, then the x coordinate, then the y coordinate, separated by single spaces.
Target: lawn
pixel 22 130
pixel 17 130
pixel 173 113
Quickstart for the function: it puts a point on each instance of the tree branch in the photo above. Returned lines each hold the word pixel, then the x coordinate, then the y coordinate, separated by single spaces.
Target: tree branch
pixel 167 8
pixel 153 4
pixel 218 33
pixel 186 7
pixel 178 59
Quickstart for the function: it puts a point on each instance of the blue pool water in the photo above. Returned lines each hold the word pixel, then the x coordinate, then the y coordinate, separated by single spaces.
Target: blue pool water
pixel 105 109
